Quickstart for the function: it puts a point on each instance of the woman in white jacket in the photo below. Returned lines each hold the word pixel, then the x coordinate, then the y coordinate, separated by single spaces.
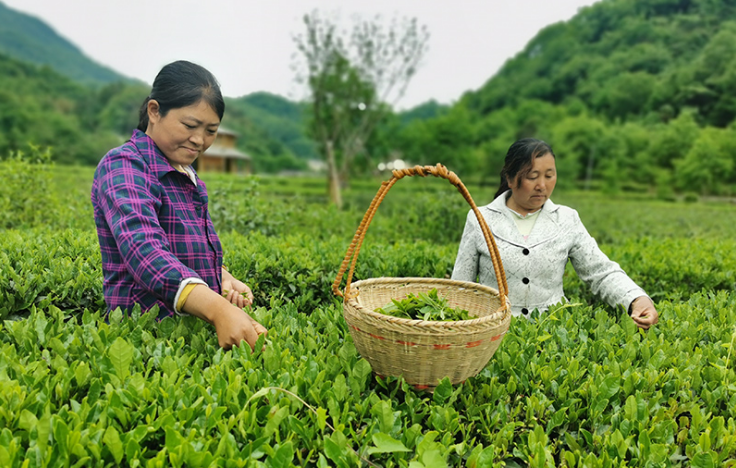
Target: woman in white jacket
pixel 536 238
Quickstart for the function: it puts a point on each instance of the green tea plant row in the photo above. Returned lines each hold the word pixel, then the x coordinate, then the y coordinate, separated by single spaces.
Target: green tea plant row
pixel 415 209
pixel 581 386
pixel 62 268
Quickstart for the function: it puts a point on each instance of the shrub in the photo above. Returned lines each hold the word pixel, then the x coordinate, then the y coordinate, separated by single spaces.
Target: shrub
pixel 25 198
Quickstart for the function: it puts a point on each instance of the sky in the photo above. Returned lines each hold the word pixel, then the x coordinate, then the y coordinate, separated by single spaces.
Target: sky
pixel 248 44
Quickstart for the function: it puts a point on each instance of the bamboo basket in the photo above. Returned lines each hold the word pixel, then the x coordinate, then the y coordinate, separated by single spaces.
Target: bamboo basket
pixel 424 352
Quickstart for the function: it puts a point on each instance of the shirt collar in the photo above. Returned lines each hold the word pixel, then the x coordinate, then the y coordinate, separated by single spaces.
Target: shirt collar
pixel 153 156
pixel 526 216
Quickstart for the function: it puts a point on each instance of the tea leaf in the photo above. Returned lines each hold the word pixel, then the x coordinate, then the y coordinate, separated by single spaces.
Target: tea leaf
pixel 384 443
pixel 121 355
pixel 112 441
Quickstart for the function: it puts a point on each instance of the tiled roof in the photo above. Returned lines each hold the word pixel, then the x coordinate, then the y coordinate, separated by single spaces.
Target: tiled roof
pixel 225 152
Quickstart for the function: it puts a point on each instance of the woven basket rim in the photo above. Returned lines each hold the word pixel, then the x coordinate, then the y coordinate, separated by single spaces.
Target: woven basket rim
pixel 498 315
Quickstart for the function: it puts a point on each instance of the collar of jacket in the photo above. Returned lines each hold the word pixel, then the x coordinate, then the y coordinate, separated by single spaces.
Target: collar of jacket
pixel 152 155
pixel 503 226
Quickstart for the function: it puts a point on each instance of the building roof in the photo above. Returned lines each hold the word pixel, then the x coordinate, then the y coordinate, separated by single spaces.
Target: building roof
pixel 225 152
pixel 226 131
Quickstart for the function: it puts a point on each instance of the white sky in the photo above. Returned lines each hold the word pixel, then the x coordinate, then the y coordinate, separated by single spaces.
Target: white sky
pixel 248 44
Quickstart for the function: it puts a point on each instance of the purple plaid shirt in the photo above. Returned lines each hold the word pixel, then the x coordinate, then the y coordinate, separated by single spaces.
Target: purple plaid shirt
pixel 153 226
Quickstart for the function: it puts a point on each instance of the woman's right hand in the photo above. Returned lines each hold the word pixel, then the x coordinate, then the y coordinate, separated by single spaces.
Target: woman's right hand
pixel 643 312
pixel 233 325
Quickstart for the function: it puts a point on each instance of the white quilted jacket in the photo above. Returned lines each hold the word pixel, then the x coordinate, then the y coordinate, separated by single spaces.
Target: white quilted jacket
pixel 535 266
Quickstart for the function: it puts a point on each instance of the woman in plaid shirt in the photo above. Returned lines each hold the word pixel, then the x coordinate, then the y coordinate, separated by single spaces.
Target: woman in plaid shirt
pixel 158 244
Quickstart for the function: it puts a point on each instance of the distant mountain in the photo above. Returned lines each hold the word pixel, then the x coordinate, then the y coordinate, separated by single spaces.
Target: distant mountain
pixel 41 107
pixel 46 100
pixel 80 123
pixel 49 80
pixel 627 59
pixel 424 111
pixel 31 40
pixel 632 94
pixel 286 121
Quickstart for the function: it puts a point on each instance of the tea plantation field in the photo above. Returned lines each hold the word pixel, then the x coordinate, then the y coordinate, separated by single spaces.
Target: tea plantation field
pixel 580 386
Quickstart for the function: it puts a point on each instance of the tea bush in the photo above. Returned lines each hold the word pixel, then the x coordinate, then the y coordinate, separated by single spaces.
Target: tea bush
pixel 25 196
pixel 577 386
pixel 62 267
pixel 560 391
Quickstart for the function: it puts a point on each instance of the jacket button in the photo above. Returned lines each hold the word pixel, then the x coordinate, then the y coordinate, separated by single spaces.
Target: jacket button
pixel 525 311
pixel 525 251
pixel 525 280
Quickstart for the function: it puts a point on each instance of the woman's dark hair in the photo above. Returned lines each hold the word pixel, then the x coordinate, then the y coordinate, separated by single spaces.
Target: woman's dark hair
pixel 519 160
pixel 180 84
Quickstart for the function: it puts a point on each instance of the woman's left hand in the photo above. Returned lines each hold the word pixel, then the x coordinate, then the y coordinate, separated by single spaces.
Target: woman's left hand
pixel 235 291
pixel 643 312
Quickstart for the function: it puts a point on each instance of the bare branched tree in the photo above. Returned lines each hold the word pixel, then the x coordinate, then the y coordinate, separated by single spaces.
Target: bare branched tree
pixel 354 78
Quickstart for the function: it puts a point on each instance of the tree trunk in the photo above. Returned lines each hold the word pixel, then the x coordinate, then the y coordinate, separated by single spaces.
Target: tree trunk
pixel 589 169
pixel 333 176
pixel 343 173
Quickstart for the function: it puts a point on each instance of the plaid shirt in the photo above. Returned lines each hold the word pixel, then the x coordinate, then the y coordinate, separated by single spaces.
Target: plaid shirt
pixel 153 226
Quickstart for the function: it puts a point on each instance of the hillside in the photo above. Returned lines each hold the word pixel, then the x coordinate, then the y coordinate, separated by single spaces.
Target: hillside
pixel 54 96
pixel 30 39
pixel 281 119
pixel 633 95
pixel 41 107
pixel 627 58
pixel 50 79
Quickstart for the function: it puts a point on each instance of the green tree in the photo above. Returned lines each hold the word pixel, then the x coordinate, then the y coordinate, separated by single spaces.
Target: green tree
pixel 117 107
pixel 579 142
pixel 353 78
pixel 449 139
pixel 708 167
pixel 281 120
pixel 626 159
pixel 672 141
pixel 625 94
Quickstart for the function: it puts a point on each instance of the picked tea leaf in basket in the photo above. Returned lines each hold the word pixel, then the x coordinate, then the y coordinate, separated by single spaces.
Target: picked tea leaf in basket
pixel 424 306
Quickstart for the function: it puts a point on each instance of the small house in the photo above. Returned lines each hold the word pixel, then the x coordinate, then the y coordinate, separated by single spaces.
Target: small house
pixel 223 156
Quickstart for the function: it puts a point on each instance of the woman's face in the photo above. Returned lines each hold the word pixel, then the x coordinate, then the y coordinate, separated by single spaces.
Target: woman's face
pixel 183 134
pixel 529 192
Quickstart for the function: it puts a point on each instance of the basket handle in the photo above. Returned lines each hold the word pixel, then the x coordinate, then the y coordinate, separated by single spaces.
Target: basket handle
pixel 438 171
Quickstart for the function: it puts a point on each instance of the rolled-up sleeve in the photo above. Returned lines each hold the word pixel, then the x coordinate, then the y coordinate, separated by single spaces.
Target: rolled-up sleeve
pixel 129 198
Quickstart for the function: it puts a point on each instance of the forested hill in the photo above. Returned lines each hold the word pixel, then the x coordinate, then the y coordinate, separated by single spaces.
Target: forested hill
pixel 53 96
pixel 29 39
pixel 632 94
pixel 41 107
pixel 283 142
pixel 628 58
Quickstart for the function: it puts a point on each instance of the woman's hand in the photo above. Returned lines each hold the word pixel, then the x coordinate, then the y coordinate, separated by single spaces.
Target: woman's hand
pixel 643 312
pixel 235 291
pixel 231 323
